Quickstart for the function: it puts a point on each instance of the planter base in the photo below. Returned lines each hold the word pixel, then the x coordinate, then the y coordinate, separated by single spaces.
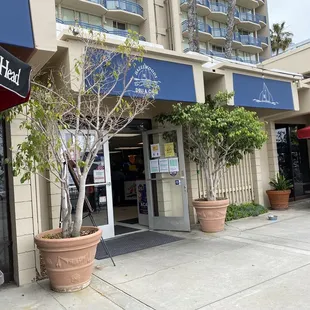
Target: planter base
pixel 278 199
pixel 70 289
pixel 69 262
pixel 211 214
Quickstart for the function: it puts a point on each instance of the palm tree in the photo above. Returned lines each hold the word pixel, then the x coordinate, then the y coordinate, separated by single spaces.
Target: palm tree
pixel 192 24
pixel 230 28
pixel 280 39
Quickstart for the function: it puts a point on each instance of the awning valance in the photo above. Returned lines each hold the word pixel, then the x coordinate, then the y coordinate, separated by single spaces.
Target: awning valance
pixel 14 80
pixel 304 133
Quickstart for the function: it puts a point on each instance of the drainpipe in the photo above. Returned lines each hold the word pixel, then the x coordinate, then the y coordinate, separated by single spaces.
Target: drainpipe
pixel 169 25
pixel 156 25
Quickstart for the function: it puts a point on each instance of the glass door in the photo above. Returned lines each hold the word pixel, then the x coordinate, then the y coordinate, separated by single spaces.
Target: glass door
pixel 98 191
pixel 166 179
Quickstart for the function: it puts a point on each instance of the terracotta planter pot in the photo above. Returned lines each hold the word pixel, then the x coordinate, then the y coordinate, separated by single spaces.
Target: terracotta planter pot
pixel 69 262
pixel 211 214
pixel 278 199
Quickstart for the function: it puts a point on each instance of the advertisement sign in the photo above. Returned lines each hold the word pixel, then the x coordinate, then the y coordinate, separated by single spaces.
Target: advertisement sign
pixel 174 165
pixel 163 165
pixel 154 166
pixel 155 150
pixel 141 197
pixel 259 92
pixel 143 76
pixel 130 190
pixel 99 176
pixel 169 149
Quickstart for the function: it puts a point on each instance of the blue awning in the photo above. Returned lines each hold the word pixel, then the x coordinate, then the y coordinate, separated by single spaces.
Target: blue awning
pixel 259 92
pixel 175 81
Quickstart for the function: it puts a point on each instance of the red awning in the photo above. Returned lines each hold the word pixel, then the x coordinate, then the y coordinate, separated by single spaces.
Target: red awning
pixel 8 99
pixel 303 133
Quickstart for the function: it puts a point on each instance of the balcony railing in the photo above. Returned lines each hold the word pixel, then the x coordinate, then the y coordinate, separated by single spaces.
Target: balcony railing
pixel 201 27
pixel 204 3
pixel 249 17
pixel 222 32
pixel 101 2
pixel 81 24
pixel 249 40
pixel 223 8
pixel 124 5
pixel 264 40
pixel 114 31
pixel 262 18
pixel 222 55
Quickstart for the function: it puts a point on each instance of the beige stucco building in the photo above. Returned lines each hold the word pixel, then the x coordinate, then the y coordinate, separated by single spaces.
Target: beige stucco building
pixel 278 97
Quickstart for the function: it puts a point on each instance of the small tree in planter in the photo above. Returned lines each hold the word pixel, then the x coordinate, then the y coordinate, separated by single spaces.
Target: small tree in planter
pixel 66 126
pixel 215 137
pixel 280 194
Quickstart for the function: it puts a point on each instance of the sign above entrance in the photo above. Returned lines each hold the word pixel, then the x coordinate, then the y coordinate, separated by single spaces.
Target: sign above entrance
pixel 14 80
pixel 263 93
pixel 173 81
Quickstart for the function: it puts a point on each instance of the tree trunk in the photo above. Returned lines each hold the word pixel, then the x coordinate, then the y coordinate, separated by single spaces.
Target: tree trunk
pixel 211 195
pixel 65 213
pixel 79 208
pixel 192 20
pixel 66 233
pixel 230 28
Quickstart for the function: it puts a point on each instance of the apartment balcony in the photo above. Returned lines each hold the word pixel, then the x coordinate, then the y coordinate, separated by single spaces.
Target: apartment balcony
pixel 203 7
pixel 66 24
pixel 249 4
pixel 219 37
pixel 261 2
pixel 264 41
pixel 204 31
pixel 222 55
pixel 96 7
pixel 124 10
pixel 250 44
pixel 219 12
pixel 250 22
pixel 262 20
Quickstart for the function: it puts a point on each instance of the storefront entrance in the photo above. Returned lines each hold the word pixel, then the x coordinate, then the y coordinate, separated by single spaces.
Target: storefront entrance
pixel 293 159
pixel 139 182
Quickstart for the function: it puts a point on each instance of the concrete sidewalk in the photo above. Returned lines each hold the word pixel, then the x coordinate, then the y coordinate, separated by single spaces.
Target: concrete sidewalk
pixel 253 264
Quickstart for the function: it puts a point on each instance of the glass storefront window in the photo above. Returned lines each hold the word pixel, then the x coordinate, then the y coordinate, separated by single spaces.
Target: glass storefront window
pixel 5 233
pixel 293 159
pixel 95 182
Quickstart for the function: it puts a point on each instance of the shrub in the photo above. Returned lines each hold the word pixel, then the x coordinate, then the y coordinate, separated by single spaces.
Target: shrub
pixel 235 212
pixel 280 183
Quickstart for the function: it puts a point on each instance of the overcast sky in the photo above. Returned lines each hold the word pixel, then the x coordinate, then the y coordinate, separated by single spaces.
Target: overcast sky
pixel 295 13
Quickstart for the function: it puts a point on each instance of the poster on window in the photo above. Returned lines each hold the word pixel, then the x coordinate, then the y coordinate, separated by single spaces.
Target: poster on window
pixel 130 190
pixel 141 197
pixel 155 150
pixel 99 176
pixel 174 165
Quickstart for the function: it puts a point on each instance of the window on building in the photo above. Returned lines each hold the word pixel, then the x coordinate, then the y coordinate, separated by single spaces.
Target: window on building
pixel 119 25
pixel 90 19
pixel 133 28
pixel 68 15
pixel 247 33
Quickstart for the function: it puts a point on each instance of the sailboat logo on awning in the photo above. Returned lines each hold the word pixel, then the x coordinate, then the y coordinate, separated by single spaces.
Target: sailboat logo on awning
pixel 265 96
